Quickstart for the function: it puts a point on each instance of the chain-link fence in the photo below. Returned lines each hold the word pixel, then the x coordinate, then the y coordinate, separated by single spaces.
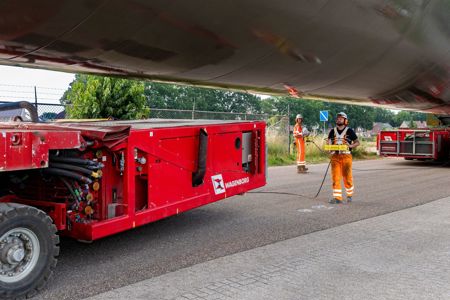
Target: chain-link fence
pixel 49 112
pixel 47 100
pixel 160 113
pixel 279 131
pixel 57 111
pixel 46 112
pixel 33 94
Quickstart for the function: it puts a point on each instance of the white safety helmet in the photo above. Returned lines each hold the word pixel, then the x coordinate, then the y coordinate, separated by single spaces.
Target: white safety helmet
pixel 342 114
pixel 299 116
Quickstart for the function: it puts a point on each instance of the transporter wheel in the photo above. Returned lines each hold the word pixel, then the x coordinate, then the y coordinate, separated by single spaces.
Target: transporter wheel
pixel 28 250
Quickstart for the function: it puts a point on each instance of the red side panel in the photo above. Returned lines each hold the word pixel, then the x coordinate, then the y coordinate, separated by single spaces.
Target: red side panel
pixel 148 175
pixel 22 150
pixel 163 186
pixel 415 143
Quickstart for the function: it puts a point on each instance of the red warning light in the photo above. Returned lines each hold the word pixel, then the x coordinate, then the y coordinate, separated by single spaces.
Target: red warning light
pixel 292 91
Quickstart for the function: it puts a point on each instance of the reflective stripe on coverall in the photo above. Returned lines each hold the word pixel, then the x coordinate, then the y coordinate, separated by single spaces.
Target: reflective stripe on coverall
pixel 300 144
pixel 341 167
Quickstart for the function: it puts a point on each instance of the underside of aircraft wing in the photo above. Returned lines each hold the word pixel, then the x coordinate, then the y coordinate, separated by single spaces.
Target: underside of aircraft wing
pixel 392 53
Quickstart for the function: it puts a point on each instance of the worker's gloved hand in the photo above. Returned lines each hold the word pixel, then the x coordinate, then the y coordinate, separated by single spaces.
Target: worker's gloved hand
pixel 305 132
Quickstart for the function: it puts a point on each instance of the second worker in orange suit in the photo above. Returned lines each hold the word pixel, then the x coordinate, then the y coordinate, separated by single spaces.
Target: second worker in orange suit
pixel 341 161
pixel 300 133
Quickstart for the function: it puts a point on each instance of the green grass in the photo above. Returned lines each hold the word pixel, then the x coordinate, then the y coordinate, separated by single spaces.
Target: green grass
pixel 277 153
pixel 278 156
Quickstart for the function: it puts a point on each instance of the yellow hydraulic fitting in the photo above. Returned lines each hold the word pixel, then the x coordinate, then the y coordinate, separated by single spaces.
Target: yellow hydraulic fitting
pixel 96 186
pixel 88 210
pixel 96 175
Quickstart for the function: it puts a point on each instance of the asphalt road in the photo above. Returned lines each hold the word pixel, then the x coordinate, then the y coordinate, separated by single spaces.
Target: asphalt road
pixel 279 211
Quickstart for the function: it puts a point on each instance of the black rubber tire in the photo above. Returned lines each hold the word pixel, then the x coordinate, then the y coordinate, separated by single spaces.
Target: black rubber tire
pixel 13 216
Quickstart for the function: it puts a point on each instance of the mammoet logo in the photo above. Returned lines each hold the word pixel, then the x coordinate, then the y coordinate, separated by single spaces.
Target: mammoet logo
pixel 217 181
pixel 237 182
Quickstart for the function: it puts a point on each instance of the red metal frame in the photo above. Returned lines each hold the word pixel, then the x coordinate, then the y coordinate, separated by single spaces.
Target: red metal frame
pixel 27 149
pixel 162 186
pixel 394 142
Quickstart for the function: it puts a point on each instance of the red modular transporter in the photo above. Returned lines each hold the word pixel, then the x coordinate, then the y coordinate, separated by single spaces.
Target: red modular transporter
pixel 94 179
pixel 422 144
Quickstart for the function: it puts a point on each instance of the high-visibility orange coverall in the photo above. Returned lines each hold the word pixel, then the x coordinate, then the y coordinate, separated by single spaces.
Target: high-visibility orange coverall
pixel 300 144
pixel 341 163
pixel 341 167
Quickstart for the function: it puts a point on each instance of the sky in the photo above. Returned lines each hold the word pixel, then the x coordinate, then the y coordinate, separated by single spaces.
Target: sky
pixel 17 84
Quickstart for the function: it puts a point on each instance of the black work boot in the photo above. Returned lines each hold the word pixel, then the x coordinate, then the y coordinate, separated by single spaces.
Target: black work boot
pixel 301 169
pixel 335 201
pixel 349 199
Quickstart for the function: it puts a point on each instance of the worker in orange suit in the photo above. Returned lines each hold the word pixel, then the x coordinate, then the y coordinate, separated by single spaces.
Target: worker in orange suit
pixel 341 161
pixel 300 133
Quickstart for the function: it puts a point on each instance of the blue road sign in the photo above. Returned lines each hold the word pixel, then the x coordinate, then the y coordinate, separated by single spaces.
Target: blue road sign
pixel 324 115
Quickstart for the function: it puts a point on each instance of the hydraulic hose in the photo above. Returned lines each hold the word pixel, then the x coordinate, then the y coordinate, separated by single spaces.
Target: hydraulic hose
pixel 197 177
pixel 74 168
pixel 300 195
pixel 70 188
pixel 323 180
pixel 66 173
pixel 96 167
pixel 89 164
pixel 326 172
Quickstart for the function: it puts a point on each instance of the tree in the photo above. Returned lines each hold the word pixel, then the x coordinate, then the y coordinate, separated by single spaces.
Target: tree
pixel 102 97
pixel 383 115
pixel 359 116
pixel 400 117
pixel 417 116
pixel 162 95
pixel 268 107
pixel 99 97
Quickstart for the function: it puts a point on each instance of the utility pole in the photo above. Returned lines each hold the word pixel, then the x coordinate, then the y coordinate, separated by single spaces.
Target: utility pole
pixel 193 110
pixel 35 98
pixel 289 130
